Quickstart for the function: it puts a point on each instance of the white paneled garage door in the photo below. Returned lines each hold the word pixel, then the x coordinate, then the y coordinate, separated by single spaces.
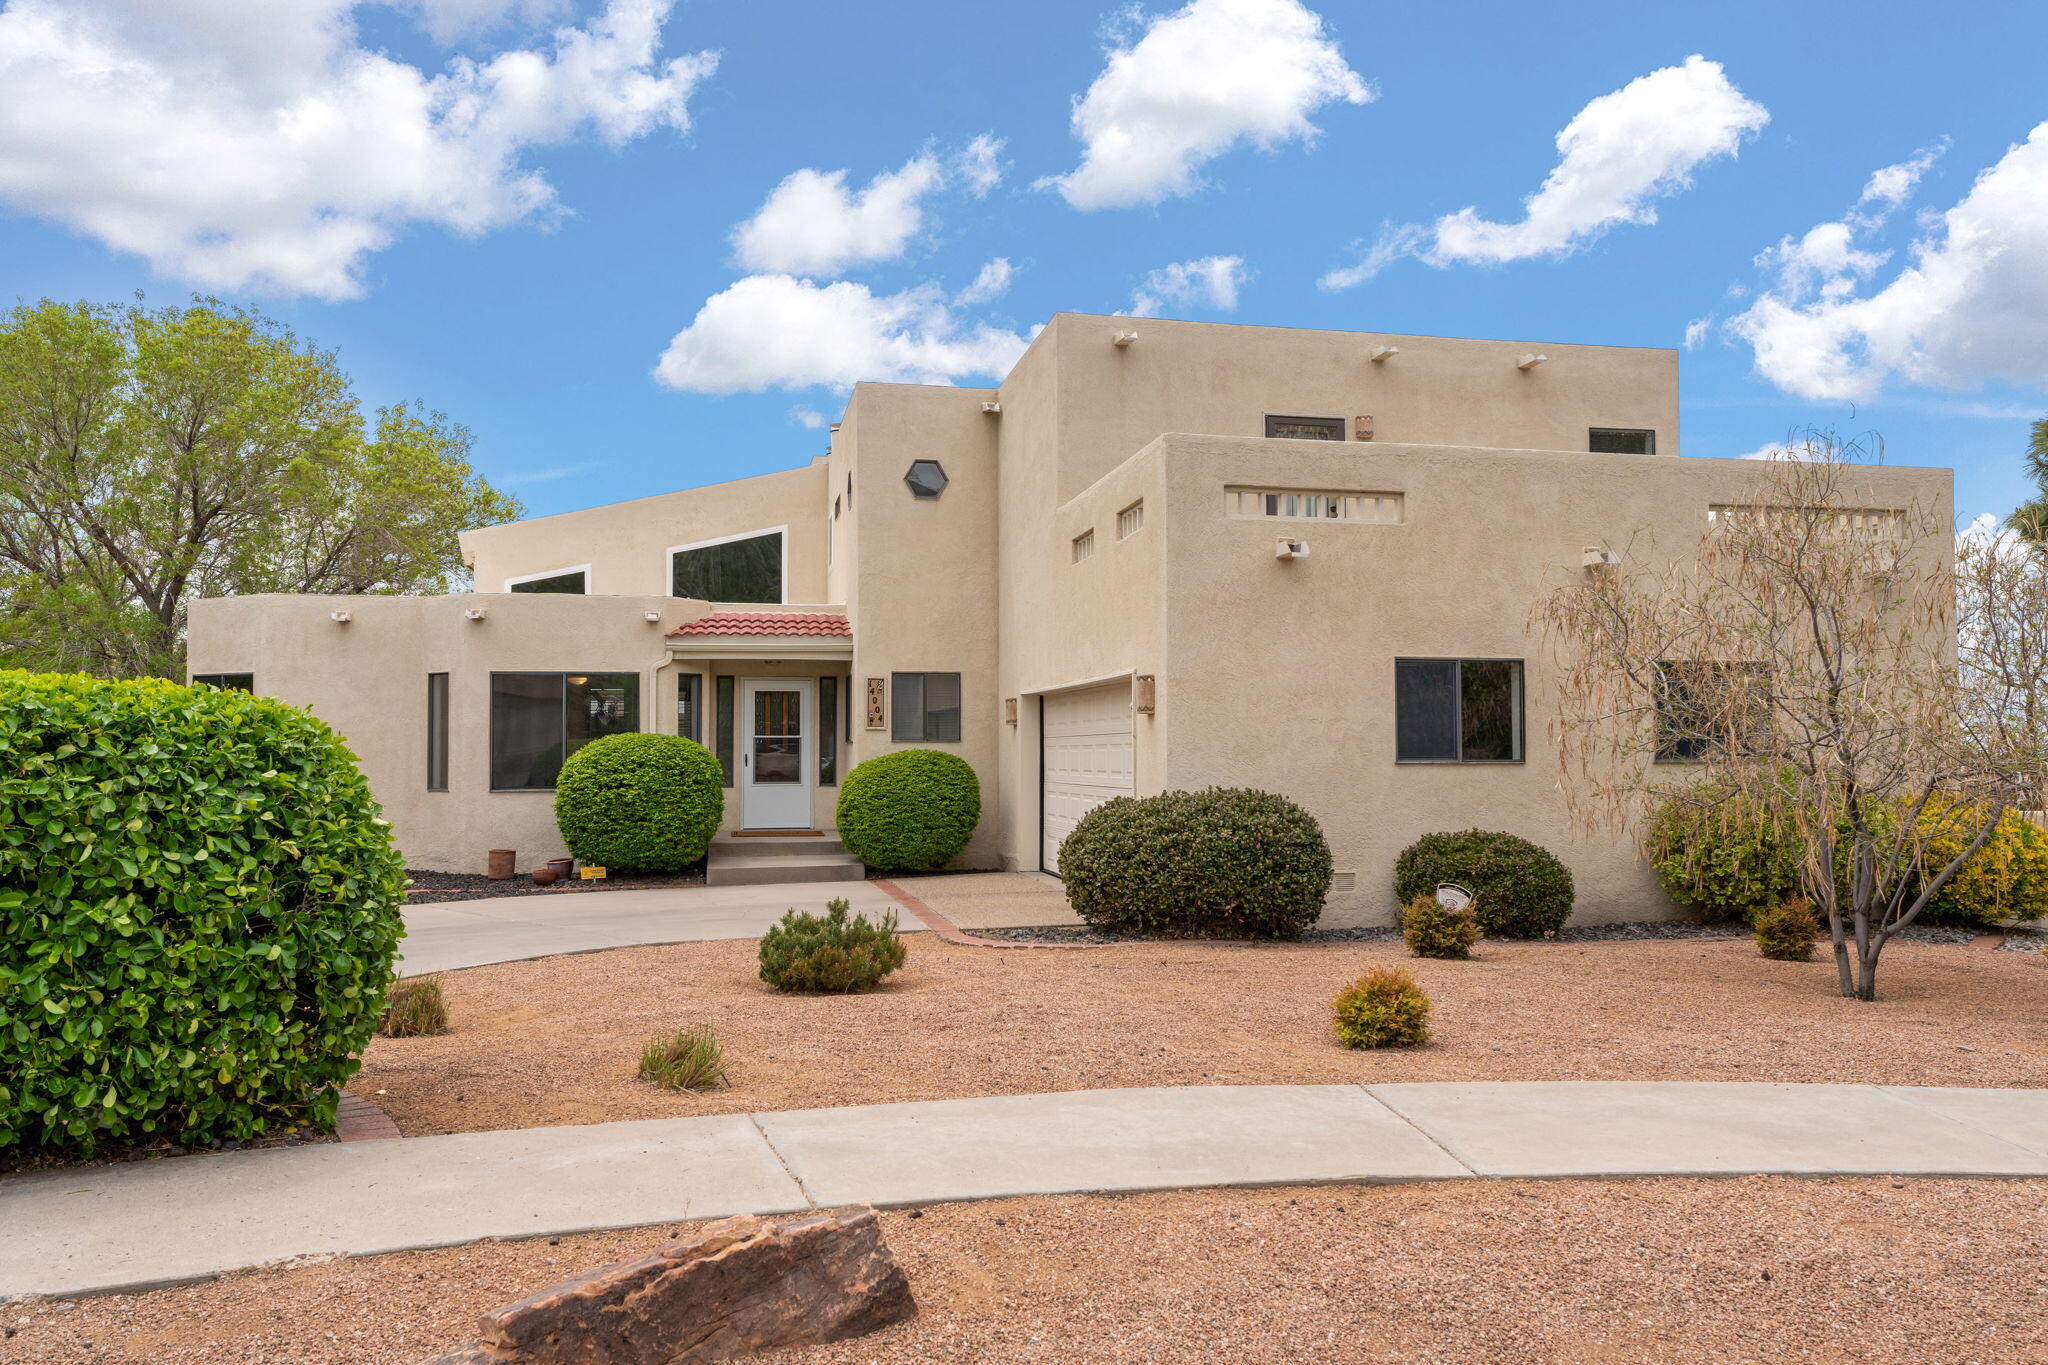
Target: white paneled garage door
pixel 1088 753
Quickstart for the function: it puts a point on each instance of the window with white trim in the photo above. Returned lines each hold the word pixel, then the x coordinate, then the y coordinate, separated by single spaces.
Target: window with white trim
pixel 1130 519
pixel 1296 504
pixel 745 568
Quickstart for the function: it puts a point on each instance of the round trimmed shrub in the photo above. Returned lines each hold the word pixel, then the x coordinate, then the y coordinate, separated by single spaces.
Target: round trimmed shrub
pixel 1224 863
pixel 199 907
pixel 640 803
pixel 914 809
pixel 1519 890
pixel 1383 1008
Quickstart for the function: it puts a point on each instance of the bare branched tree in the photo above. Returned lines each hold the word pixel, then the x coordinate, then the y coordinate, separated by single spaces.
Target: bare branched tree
pixel 2002 647
pixel 1804 661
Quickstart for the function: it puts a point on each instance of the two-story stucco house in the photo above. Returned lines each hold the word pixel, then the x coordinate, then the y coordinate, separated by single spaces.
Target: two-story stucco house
pixel 1158 555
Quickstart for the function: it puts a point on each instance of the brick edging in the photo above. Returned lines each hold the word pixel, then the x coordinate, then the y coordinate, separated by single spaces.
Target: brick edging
pixel 359 1120
pixel 954 934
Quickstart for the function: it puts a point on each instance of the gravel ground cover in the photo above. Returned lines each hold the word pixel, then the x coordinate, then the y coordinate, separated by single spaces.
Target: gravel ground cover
pixel 557 1040
pixel 425 888
pixel 1584 933
pixel 1564 1272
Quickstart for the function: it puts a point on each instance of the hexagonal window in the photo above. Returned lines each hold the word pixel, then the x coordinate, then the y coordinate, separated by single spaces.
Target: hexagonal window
pixel 925 478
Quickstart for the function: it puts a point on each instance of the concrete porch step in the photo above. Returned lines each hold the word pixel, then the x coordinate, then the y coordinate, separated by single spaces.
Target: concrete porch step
pixel 777 845
pixel 739 870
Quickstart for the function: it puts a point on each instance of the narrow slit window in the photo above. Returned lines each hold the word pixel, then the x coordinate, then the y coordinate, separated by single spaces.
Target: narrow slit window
pixel 690 706
pixel 1305 428
pixel 437 732
pixel 1621 441
pixel 1130 520
pixel 1084 545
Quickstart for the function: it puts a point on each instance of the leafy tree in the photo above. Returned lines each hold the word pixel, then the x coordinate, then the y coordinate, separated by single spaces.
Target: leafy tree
pixel 2030 518
pixel 149 456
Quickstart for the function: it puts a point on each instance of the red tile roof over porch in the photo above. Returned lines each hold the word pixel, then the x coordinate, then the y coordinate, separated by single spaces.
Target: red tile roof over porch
pixel 766 623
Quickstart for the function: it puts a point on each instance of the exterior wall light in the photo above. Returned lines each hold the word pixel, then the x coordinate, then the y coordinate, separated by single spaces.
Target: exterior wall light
pixel 1126 338
pixel 1145 693
pixel 1288 547
pixel 1381 353
pixel 340 618
pixel 1530 362
pixel 992 408
pixel 474 613
pixel 653 617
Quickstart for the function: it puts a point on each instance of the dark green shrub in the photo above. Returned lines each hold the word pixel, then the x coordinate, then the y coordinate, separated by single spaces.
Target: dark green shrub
pixel 640 803
pixel 1432 931
pixel 1786 932
pixel 1717 858
pixel 415 1008
pixel 1383 1008
pixel 831 953
pixel 691 1058
pixel 1518 889
pixel 1217 863
pixel 913 809
pixel 199 906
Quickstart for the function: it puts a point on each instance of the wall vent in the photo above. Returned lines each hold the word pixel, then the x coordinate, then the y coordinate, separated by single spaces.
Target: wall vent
pixel 1343 881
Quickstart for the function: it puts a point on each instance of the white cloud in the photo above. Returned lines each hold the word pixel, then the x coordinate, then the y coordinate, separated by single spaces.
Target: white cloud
pixel 991 283
pixel 778 332
pixel 809 418
pixel 1970 309
pixel 1196 84
pixel 811 224
pixel 1892 185
pixel 1212 281
pixel 1776 450
pixel 1696 331
pixel 1618 155
pixel 448 20
pixel 252 145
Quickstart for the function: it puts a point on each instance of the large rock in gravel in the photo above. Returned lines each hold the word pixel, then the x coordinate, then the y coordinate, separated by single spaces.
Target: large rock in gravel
pixel 740 1286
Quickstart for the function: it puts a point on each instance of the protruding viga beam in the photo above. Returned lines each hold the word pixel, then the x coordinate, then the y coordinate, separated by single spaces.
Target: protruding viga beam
pixel 148 1224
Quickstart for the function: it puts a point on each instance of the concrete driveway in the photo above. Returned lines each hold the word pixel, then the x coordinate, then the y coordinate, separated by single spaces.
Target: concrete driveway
pixel 449 935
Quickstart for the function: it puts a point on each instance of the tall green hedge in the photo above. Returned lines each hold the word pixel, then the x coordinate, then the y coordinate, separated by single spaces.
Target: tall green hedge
pixel 199 908
pixel 914 809
pixel 640 803
pixel 1224 862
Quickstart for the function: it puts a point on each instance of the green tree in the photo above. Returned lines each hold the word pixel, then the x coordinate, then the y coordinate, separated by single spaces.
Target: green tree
pixel 149 456
pixel 2030 518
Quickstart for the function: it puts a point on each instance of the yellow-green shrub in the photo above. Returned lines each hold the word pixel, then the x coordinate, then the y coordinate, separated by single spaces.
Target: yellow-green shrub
pixel 2007 879
pixel 1383 1008
pixel 1786 932
pixel 1432 931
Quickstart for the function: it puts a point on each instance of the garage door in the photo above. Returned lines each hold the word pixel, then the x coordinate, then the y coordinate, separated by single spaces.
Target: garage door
pixel 1087 757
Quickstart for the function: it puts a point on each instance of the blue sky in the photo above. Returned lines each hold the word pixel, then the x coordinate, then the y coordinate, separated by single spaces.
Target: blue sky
pixel 517 240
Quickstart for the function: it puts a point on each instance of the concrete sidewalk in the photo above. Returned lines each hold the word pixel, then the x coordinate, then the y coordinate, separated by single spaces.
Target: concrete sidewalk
pixel 448 935
pixel 127 1227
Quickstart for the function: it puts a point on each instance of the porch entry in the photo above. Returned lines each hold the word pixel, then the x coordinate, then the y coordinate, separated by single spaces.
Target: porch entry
pixel 777 733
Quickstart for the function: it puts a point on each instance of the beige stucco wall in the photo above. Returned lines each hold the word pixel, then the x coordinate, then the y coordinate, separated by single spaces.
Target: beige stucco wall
pixel 368 680
pixel 626 544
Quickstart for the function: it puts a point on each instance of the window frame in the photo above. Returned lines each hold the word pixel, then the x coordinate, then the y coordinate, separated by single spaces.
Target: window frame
pixel 562 703
pixel 783 572
pixel 1304 419
pixel 690 706
pixel 1521 719
pixel 897 720
pixel 1649 433
pixel 437 732
pixel 512 584
pixel 1082 546
pixel 1130 520
pixel 219 681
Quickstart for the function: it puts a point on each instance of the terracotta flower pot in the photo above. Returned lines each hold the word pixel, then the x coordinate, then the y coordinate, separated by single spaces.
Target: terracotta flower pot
pixel 543 876
pixel 502 863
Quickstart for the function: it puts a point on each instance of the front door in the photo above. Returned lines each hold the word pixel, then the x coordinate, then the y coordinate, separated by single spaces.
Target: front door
pixel 775 752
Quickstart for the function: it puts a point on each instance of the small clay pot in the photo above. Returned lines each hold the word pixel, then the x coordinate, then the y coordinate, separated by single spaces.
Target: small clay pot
pixel 562 867
pixel 543 876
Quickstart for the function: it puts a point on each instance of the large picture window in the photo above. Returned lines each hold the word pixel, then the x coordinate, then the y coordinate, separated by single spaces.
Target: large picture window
pixel 572 581
pixel 539 719
pixel 1458 710
pixel 737 569
pixel 924 708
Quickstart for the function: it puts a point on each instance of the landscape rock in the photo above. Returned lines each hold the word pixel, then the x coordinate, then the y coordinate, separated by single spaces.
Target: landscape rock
pixel 739 1287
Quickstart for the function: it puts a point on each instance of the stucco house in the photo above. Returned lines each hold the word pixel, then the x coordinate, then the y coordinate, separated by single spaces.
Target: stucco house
pixel 1158 555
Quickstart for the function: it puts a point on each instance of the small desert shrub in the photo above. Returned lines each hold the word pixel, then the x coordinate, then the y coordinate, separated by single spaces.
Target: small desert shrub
pixel 689 1059
pixel 914 809
pixel 1383 1008
pixel 1519 890
pixel 1218 863
pixel 640 803
pixel 415 1009
pixel 1432 931
pixel 1786 932
pixel 833 952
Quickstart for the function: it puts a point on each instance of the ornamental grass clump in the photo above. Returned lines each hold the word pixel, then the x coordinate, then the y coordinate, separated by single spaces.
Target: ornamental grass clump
pixel 1787 931
pixel 416 1009
pixel 1430 930
pixel 835 952
pixel 1383 1008
pixel 691 1058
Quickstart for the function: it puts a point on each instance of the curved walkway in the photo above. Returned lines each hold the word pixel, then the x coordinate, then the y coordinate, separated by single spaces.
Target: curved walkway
pixel 137 1226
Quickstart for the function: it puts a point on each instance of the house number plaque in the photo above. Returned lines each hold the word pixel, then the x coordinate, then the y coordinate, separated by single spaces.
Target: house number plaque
pixel 877 717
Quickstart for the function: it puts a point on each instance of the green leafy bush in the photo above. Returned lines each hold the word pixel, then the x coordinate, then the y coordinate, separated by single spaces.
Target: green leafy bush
pixel 835 952
pixel 1786 931
pixel 1222 862
pixel 640 803
pixel 1432 931
pixel 199 907
pixel 691 1058
pixel 2006 879
pixel 415 1008
pixel 1518 889
pixel 1383 1008
pixel 1717 858
pixel 913 809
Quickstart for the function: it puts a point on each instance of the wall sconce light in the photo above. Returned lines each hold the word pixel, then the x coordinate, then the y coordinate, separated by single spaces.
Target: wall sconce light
pixel 1530 362
pixel 1380 353
pixel 653 617
pixel 340 618
pixel 1126 338
pixel 992 408
pixel 1144 694
pixel 1288 547
pixel 1361 428
pixel 1009 710
pixel 474 613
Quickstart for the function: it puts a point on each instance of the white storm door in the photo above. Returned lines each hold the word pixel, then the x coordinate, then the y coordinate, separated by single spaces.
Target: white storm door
pixel 776 731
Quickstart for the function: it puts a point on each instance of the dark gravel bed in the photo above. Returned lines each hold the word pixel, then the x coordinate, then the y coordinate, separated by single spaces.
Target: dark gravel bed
pixel 429 887
pixel 1584 933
